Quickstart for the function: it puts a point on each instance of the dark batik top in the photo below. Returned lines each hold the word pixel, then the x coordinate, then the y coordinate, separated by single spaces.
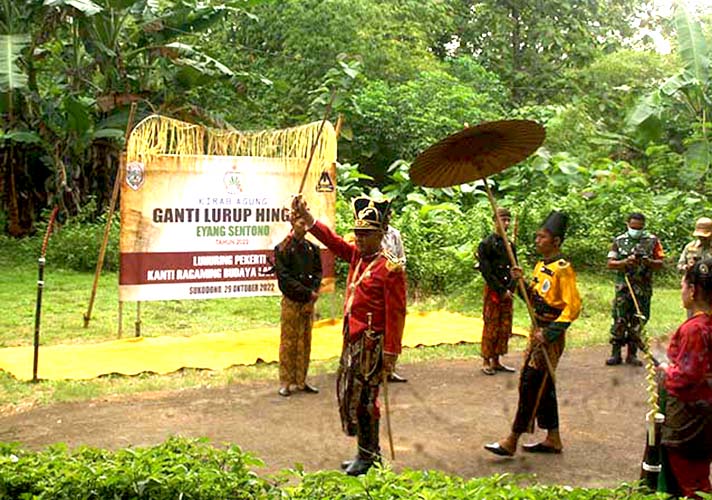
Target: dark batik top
pixel 494 263
pixel 298 267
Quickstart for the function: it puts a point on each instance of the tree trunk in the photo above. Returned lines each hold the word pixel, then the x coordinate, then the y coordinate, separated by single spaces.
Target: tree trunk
pixel 14 225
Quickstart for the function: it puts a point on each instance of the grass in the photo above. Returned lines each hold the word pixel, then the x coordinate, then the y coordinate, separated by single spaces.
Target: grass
pixel 66 297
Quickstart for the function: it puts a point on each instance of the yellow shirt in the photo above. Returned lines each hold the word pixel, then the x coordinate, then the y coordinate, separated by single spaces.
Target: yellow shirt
pixel 554 294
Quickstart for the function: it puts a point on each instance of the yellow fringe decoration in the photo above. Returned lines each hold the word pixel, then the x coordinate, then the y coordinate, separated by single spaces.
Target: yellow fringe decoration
pixel 159 135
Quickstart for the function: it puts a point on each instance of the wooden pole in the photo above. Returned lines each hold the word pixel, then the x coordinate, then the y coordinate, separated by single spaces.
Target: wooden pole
pixel 520 281
pixel 40 289
pixel 508 247
pixel 316 140
pixel 388 413
pixel 110 215
pixel 120 318
pixel 137 325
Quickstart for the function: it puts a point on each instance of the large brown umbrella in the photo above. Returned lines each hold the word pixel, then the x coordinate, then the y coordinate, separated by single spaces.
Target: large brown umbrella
pixel 477 152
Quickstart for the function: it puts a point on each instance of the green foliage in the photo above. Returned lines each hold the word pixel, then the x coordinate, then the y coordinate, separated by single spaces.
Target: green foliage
pixel 178 468
pixel 75 66
pixel 295 43
pixel 610 85
pixel 440 241
pixel 392 121
pixel 11 77
pixel 75 244
pixel 441 227
pixel 677 111
pixel 382 483
pixel 182 468
pixel 530 44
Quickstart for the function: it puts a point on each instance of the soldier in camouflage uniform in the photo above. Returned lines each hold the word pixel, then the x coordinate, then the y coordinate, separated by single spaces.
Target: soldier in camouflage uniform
pixel 635 254
pixel 699 249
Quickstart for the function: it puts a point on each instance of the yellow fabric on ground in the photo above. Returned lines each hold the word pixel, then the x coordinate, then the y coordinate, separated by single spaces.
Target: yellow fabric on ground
pixel 215 351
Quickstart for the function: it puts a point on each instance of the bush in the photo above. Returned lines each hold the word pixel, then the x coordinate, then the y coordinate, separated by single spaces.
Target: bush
pixel 181 468
pixel 178 468
pixel 74 243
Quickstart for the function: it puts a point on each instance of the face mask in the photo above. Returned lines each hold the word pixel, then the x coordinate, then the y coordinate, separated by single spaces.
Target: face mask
pixel 635 233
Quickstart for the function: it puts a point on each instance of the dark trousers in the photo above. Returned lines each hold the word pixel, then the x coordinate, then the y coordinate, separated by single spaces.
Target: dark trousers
pixel 547 413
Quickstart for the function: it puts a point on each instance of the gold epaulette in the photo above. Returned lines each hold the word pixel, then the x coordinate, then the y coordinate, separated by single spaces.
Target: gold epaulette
pixel 393 263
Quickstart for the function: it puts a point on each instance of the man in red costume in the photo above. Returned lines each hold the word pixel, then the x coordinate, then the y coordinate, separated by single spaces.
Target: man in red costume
pixel 374 317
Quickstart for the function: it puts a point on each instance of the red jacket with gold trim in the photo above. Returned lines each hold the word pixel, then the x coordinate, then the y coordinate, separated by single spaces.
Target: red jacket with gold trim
pixel 381 292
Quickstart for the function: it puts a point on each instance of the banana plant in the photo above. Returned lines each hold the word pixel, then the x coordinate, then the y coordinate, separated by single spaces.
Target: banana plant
pixel 11 76
pixel 685 94
pixel 68 71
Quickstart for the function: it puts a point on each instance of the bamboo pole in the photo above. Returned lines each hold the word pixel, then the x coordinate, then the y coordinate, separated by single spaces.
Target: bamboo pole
pixel 137 325
pixel 40 289
pixel 120 320
pixel 112 206
pixel 520 281
pixel 316 140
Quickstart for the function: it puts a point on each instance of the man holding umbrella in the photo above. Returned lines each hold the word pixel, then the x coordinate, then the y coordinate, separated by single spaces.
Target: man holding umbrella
pixel 556 303
pixel 476 153
pixel 374 317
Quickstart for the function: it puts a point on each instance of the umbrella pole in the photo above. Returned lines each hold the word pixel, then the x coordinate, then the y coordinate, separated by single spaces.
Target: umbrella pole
pixel 510 253
pixel 520 281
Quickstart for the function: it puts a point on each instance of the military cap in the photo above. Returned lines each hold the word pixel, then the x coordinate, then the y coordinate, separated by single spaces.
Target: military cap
pixel 703 227
pixel 369 213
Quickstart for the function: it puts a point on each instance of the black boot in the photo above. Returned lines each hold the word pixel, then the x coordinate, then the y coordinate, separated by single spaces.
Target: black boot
pixel 369 451
pixel 615 358
pixel 631 358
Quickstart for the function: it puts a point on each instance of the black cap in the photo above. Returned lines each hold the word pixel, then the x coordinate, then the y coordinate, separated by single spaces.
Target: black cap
pixel 556 223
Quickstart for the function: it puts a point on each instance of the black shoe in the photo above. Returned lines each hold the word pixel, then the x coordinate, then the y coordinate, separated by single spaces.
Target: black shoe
pixel 632 360
pixel 614 360
pixel 283 391
pixel 346 464
pixel 503 368
pixel 358 467
pixel 310 389
pixel 498 449
pixel 395 378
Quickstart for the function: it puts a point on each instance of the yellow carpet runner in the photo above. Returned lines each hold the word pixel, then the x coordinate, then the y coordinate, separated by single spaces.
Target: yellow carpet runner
pixel 215 351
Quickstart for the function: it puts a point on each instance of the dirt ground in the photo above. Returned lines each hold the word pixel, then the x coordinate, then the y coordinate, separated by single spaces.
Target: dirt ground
pixel 441 419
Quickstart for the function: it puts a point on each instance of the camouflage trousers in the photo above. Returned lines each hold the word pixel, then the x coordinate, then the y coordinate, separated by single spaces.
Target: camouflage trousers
pixel 627 326
pixel 295 341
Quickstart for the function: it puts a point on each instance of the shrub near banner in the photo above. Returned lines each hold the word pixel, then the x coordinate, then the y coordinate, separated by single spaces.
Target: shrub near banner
pixel 205 226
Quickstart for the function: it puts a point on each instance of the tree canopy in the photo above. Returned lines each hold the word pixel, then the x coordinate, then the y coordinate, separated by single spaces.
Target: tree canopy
pixel 406 74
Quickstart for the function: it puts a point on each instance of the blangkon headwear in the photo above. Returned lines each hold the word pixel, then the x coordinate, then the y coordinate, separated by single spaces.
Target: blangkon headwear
pixel 556 223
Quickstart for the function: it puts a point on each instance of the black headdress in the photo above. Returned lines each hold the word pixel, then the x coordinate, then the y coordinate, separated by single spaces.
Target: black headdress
pixel 556 223
pixel 369 213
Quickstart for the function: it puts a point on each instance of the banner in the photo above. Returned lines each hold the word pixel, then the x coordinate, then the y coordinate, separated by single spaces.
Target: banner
pixel 200 227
